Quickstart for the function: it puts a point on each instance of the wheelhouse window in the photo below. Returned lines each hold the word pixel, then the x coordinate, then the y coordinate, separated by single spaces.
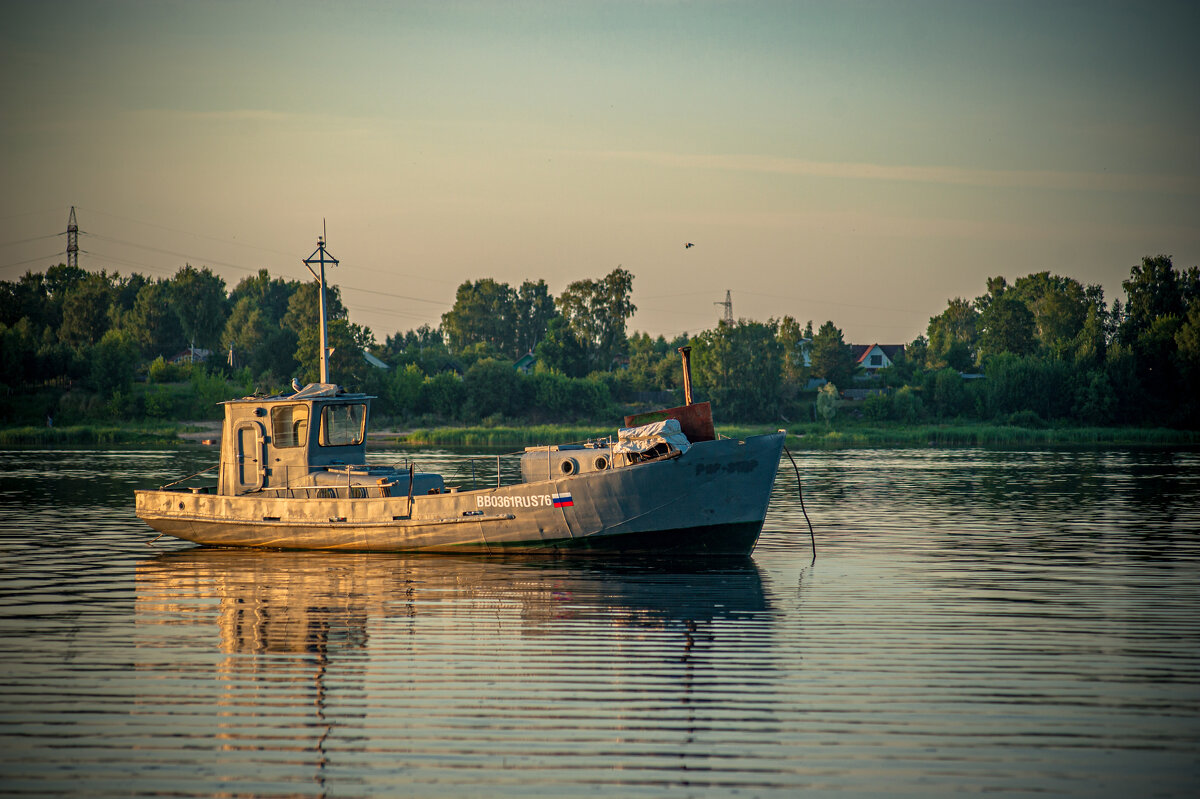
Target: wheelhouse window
pixel 289 425
pixel 343 425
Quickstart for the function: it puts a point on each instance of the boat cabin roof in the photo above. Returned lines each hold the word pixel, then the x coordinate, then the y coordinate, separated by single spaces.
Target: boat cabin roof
pixel 323 391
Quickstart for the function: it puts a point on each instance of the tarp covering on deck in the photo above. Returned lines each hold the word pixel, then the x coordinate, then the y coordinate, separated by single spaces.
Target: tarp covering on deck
pixel 648 436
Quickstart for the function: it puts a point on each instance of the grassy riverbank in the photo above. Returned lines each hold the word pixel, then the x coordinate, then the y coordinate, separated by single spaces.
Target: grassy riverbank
pixel 158 433
pixel 805 436
pixel 820 437
pixel 986 435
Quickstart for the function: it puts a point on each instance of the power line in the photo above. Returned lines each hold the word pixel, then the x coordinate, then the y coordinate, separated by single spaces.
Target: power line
pixel 830 302
pixel 234 243
pixel 189 258
pixel 211 261
pixel 378 293
pixel 47 212
pixel 31 260
pixel 190 233
pixel 31 238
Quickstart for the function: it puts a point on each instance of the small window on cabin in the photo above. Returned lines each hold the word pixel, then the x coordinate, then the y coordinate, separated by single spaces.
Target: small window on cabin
pixel 342 425
pixel 877 360
pixel 289 425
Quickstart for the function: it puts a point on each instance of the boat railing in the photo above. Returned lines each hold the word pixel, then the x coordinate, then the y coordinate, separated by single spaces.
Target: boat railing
pixel 472 459
pixel 189 477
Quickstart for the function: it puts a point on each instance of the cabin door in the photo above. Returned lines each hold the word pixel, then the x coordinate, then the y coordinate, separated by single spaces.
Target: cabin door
pixel 248 452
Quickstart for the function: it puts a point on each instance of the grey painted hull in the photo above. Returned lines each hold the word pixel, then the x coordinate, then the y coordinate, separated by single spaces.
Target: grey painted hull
pixel 712 499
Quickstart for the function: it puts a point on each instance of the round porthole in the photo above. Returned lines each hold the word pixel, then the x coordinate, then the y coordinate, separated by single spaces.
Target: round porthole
pixel 601 463
pixel 568 466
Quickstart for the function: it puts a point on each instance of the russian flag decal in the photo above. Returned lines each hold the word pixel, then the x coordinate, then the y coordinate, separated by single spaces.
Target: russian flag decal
pixel 562 500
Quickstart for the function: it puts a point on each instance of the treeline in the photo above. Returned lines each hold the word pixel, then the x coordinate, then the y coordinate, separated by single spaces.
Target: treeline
pixel 73 343
pixel 78 345
pixel 83 345
pixel 1051 349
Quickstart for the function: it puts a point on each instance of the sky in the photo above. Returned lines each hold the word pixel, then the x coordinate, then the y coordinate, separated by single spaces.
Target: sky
pixel 860 162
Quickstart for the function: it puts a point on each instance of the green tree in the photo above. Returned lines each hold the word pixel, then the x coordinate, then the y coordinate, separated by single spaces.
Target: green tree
pixel 59 281
pixel 424 347
pixel 153 323
pixel 1091 342
pixel 85 311
pixel 1157 302
pixel 953 337
pixel 793 345
pixel 832 358
pixel 1096 401
pixel 560 351
pixel 492 387
pixel 947 394
pixel 404 388
pixel 25 298
pixel 124 293
pixel 483 313
pixel 304 307
pixel 1152 292
pixel 113 363
pixel 198 298
pixel 827 403
pixel 596 312
pixel 1187 341
pixel 740 366
pixel 259 342
pixel 1059 306
pixel 18 353
pixel 906 405
pixel 271 296
pixel 347 367
pixel 442 394
pixel 1006 325
pixel 256 330
pixel 1041 384
pixel 533 308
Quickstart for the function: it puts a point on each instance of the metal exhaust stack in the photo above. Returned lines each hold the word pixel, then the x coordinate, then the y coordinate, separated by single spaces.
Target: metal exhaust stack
pixel 686 352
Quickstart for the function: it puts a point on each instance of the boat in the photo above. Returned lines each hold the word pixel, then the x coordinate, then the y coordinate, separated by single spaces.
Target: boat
pixel 293 474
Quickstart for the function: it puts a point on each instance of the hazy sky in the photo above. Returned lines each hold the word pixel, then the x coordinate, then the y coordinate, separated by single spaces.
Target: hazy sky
pixel 860 162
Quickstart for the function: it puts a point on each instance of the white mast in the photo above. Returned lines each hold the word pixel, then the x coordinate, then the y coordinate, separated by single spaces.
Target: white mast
pixel 325 258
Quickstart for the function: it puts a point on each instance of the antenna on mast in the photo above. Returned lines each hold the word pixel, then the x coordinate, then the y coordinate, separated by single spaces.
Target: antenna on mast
pixel 324 258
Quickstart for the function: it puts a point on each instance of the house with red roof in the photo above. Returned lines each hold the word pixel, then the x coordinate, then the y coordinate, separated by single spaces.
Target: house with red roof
pixel 874 357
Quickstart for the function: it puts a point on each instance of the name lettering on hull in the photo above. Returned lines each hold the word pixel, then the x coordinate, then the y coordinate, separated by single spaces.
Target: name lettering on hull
pixel 513 501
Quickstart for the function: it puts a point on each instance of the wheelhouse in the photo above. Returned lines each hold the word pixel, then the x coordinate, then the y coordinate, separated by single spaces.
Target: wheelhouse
pixel 281 442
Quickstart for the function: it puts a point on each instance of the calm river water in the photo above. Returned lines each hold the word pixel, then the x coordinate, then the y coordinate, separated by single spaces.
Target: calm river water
pixel 1026 622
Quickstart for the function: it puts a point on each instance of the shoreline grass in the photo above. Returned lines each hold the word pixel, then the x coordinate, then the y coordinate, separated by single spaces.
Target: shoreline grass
pixel 87 434
pixel 989 435
pixel 818 437
pixel 800 437
pixel 494 437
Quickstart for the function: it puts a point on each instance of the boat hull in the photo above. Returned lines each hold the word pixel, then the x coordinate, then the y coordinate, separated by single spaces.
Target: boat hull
pixel 712 500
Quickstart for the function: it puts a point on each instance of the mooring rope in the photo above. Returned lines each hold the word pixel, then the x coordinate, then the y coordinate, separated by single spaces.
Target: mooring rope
pixel 800 492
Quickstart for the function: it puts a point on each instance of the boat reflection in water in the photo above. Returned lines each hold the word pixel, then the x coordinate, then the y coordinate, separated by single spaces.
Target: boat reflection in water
pixel 310 602
pixel 421 662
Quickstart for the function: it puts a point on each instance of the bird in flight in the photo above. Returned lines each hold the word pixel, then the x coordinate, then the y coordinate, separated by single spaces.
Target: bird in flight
pixel 688 246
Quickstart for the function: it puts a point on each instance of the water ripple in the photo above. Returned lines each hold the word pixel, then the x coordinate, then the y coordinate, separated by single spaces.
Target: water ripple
pixel 1024 622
